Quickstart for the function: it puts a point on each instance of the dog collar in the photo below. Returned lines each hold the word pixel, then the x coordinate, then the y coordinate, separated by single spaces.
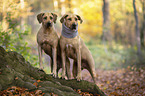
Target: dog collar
pixel 68 33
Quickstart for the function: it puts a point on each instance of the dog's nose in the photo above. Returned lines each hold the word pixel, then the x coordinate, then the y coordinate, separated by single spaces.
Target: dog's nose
pixel 48 23
pixel 73 26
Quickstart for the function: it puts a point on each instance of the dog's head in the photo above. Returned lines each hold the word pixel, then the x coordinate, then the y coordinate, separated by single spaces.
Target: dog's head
pixel 47 19
pixel 71 20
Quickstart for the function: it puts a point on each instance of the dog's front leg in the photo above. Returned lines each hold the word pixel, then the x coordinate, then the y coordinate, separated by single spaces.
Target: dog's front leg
pixel 63 56
pixel 68 71
pixel 40 56
pixel 54 52
pixel 79 77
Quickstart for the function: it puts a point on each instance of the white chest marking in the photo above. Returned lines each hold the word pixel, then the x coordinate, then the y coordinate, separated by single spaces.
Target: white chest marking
pixel 68 45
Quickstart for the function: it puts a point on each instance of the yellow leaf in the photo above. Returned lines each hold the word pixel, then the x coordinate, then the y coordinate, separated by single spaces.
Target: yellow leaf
pixel 108 82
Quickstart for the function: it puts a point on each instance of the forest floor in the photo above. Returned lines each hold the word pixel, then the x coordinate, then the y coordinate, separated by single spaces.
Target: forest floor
pixel 122 82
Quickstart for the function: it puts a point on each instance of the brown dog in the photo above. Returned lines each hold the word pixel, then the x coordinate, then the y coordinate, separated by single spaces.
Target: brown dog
pixel 73 47
pixel 48 41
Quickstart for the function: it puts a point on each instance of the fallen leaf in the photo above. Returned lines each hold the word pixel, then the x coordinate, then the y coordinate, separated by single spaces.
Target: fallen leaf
pixel 16 78
pixel 35 83
pixel 38 81
pixel 37 92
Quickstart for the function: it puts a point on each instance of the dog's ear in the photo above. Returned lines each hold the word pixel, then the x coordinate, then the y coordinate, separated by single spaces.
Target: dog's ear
pixel 54 17
pixel 39 17
pixel 63 17
pixel 79 18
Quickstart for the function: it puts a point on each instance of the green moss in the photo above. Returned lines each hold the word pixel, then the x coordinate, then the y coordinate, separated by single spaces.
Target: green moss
pixel 16 71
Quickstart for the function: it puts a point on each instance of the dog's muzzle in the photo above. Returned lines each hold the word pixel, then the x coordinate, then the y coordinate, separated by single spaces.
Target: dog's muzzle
pixel 49 24
pixel 74 26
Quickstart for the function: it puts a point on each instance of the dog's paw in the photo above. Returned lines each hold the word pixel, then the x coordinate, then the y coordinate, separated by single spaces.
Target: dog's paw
pixel 53 75
pixel 41 70
pixel 41 67
pixel 63 76
pixel 79 78
pixel 69 78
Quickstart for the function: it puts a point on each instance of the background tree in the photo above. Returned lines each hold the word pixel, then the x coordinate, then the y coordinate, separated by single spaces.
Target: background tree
pixel 106 36
pixel 137 29
pixel 142 31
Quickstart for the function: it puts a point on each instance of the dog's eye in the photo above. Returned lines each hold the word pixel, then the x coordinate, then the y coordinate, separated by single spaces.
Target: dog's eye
pixel 45 18
pixel 51 17
pixel 69 19
pixel 76 19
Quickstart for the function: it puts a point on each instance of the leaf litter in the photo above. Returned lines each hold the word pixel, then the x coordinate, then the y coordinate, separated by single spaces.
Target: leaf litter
pixel 121 82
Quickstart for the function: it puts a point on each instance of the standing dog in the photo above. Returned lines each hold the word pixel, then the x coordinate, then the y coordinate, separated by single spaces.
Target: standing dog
pixel 48 41
pixel 73 47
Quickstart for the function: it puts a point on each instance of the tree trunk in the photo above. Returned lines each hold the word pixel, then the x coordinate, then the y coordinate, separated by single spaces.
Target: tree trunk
pixel 137 29
pixel 142 35
pixel 69 6
pixel 5 24
pixel 15 71
pixel 22 18
pixel 106 22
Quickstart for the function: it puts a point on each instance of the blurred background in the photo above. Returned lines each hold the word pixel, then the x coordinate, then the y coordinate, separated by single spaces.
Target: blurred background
pixel 113 30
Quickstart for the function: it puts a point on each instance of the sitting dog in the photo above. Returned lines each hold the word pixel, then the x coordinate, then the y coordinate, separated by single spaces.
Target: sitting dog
pixel 48 41
pixel 73 47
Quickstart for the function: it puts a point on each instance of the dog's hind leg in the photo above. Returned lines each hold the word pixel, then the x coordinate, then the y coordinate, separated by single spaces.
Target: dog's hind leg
pixel 93 74
pixel 74 69
pixel 51 65
pixel 59 65
pixel 91 69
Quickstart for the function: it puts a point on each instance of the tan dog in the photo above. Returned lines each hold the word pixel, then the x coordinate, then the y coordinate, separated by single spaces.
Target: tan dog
pixel 73 47
pixel 48 41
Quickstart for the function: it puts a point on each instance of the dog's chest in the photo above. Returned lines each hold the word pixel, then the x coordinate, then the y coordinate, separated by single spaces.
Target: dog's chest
pixel 69 46
pixel 70 51
pixel 49 38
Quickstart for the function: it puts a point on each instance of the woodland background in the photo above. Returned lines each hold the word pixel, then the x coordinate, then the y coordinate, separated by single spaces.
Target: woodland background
pixel 113 30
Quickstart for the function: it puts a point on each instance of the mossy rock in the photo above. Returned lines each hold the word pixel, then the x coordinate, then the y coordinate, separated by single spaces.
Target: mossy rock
pixel 16 71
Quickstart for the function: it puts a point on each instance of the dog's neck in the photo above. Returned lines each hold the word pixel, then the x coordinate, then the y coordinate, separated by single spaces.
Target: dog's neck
pixel 68 33
pixel 48 29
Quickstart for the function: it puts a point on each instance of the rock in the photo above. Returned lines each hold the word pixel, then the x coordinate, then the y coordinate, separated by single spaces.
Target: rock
pixel 16 71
